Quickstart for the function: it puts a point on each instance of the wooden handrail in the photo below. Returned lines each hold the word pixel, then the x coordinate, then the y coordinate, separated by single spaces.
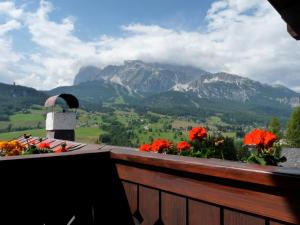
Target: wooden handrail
pixel 244 172
pixel 250 173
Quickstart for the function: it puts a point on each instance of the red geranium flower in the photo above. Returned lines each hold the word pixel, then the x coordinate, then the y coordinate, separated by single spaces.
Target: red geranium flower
pixel 60 149
pixel 197 133
pixel 254 137
pixel 159 145
pixel 44 145
pixel 183 145
pixel 145 148
pixel 269 140
pixel 260 138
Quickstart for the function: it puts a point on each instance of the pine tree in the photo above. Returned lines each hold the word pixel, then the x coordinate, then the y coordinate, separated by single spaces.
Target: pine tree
pixel 293 128
pixel 274 127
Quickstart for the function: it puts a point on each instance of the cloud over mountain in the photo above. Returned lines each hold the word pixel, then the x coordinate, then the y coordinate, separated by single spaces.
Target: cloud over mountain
pixel 242 37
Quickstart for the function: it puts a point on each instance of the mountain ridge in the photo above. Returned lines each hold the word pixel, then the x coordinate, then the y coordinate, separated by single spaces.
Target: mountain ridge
pixel 14 98
pixel 171 90
pixel 151 78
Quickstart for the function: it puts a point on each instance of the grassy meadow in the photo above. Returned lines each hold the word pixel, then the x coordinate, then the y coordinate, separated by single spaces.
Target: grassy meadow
pixel 142 128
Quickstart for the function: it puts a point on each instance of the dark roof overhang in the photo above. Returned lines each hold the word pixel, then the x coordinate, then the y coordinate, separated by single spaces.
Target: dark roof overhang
pixel 290 13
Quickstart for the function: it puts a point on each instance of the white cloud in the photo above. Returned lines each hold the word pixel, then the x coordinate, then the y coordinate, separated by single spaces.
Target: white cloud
pixel 10 25
pixel 255 38
pixel 8 8
pixel 242 37
pixel 8 56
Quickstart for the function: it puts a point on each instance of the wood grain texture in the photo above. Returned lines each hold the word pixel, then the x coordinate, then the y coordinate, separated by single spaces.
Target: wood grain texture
pixel 173 209
pixel 237 218
pixel 149 205
pixel 276 223
pixel 257 202
pixel 131 194
pixel 203 214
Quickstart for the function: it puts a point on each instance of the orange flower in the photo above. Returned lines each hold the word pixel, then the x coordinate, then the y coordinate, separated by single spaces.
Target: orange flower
pixel 3 145
pixel 11 148
pixel 254 138
pixel 260 138
pixel 60 149
pixel 13 152
pixel 197 133
pixel 159 145
pixel 63 148
pixel 44 145
pixel 145 148
pixel 183 145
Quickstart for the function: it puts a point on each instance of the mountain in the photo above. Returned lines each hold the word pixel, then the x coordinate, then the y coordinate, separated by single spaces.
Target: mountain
pixel 141 77
pixel 150 78
pixel 93 94
pixel 185 90
pixel 237 88
pixel 88 73
pixel 14 98
pixel 10 94
pixel 187 104
pixel 165 89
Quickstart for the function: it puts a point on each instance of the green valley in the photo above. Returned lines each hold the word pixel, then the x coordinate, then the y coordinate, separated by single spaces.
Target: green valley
pixel 122 127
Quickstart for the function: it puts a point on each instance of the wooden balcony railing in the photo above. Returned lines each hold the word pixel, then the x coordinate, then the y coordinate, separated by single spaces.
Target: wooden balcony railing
pixel 115 185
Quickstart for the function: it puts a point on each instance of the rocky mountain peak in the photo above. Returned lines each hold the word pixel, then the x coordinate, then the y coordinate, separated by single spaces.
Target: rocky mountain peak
pixel 152 78
pixel 87 73
pixel 140 76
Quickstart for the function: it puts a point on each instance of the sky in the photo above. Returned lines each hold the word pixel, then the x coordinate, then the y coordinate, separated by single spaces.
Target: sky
pixel 44 43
